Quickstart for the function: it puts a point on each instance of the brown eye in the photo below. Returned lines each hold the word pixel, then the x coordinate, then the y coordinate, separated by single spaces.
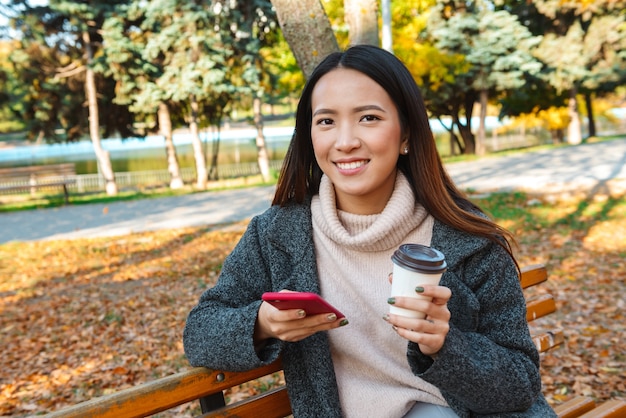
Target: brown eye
pixel 370 118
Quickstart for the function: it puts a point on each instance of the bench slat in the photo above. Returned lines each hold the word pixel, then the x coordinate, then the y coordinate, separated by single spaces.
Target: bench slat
pixel 45 170
pixel 271 404
pixel 574 407
pixel 547 340
pixel 533 275
pixel 540 306
pixel 614 408
pixel 39 184
pixel 162 394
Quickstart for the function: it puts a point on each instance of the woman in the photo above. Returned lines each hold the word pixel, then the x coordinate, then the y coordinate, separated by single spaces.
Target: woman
pixel 361 177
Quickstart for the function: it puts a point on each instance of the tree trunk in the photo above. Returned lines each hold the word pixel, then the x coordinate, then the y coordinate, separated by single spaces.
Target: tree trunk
pixel 165 126
pixel 202 174
pixel 469 140
pixel 102 155
pixel 558 136
pixel 574 132
pixel 262 157
pixel 215 150
pixel 307 30
pixel 469 146
pixel 386 38
pixel 480 138
pixel 454 139
pixel 362 19
pixel 455 144
pixel 590 117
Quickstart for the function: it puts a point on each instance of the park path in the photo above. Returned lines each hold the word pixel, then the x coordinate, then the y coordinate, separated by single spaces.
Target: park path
pixel 589 167
pixel 586 167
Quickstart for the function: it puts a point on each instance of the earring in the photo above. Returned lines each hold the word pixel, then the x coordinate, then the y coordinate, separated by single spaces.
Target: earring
pixel 406 149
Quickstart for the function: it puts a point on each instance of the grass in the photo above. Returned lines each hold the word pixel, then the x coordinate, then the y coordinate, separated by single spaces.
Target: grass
pixel 43 201
pixel 516 151
pixel 506 206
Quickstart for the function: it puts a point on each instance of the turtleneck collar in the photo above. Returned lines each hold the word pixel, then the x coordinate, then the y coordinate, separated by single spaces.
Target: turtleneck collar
pixel 377 232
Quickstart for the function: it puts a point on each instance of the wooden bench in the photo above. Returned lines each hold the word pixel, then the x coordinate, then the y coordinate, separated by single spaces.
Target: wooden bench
pixel 208 386
pixel 38 177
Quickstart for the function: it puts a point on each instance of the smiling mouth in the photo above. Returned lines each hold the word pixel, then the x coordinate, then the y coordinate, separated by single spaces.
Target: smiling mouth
pixel 351 165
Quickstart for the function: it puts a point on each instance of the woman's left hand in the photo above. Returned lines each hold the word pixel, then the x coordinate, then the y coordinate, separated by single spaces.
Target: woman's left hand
pixel 429 333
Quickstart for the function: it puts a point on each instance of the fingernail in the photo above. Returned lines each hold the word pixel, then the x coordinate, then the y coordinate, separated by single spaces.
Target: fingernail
pixel 395 328
pixel 386 317
pixel 391 301
pixel 331 317
pixel 419 289
pixel 301 313
pixel 343 322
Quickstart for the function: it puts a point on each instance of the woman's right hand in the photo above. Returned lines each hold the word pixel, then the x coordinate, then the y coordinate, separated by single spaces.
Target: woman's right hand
pixel 291 324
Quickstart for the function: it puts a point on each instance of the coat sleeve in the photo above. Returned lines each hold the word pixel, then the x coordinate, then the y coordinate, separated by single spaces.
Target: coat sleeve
pixel 219 330
pixel 488 363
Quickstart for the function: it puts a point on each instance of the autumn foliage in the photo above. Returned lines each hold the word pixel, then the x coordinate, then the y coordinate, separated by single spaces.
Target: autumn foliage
pixel 82 318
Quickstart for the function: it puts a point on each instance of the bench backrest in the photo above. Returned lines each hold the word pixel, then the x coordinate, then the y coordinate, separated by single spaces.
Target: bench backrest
pixel 37 171
pixel 208 385
pixel 538 306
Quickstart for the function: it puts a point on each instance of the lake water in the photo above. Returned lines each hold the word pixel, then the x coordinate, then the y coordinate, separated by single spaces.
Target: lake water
pixel 134 154
pixel 237 145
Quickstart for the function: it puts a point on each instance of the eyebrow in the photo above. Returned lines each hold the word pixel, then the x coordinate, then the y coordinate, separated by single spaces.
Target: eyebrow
pixel 356 110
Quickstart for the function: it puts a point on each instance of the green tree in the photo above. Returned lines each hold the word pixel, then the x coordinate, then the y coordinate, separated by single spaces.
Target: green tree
pixel 9 90
pixel 606 46
pixel 283 79
pixel 196 58
pixel 59 42
pixel 142 42
pixel 497 49
pixel 566 69
pixel 81 22
pixel 583 47
pixel 250 27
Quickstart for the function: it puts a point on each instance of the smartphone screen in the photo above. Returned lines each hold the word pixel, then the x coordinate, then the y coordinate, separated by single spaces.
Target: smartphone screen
pixel 312 303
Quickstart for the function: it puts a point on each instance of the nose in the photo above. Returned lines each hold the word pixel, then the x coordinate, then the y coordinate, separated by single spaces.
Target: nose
pixel 347 138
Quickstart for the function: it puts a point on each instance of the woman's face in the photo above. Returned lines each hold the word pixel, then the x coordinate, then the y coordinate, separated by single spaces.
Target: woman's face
pixel 357 139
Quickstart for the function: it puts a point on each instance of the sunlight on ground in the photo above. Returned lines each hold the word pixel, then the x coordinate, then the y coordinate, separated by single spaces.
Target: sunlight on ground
pixel 606 236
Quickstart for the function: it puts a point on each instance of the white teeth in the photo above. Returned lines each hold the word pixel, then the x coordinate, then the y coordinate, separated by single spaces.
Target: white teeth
pixel 352 165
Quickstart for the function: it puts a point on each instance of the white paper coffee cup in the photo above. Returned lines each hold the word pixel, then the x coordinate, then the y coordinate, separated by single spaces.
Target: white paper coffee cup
pixel 414 265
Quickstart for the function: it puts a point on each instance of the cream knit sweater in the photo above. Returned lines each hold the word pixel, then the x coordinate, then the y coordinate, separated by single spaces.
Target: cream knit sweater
pixel 354 260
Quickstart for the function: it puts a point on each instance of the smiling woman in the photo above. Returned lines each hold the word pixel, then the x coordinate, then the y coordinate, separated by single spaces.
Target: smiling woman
pixel 357 137
pixel 361 177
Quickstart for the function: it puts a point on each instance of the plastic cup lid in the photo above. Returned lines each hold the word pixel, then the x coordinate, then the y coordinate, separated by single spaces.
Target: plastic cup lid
pixel 420 258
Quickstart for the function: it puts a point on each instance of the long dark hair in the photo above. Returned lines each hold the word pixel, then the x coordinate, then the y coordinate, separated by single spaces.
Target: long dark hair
pixel 300 175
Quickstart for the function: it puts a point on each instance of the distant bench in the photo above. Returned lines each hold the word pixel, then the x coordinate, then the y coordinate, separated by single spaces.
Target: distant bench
pixel 38 177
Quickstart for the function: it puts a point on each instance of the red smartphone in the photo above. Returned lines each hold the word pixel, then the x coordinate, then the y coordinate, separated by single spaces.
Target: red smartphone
pixel 312 303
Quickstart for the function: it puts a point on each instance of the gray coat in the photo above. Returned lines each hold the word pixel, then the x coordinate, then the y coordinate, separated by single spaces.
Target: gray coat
pixel 487 367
